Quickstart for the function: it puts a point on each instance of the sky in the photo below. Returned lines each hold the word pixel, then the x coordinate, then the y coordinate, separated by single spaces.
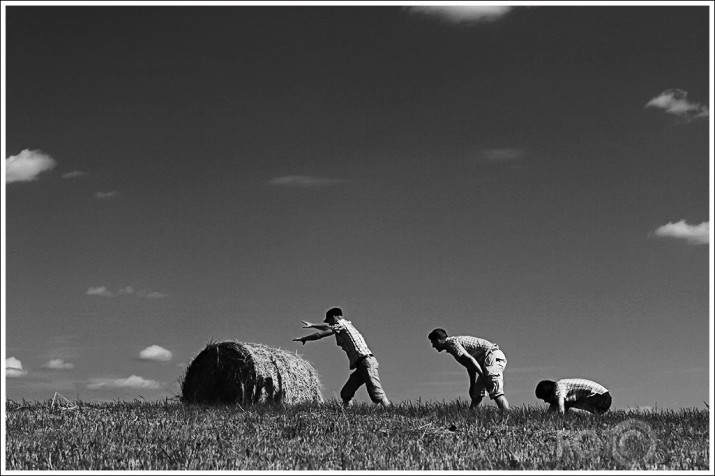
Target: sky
pixel 536 176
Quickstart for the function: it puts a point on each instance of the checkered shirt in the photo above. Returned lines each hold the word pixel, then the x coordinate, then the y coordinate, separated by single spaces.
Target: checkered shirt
pixel 577 389
pixel 351 341
pixel 474 346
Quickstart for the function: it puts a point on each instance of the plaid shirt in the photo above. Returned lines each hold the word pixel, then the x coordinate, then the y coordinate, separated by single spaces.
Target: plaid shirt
pixel 351 341
pixel 474 346
pixel 577 389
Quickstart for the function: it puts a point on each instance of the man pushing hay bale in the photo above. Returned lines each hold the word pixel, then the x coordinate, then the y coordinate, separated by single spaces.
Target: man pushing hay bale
pixel 244 373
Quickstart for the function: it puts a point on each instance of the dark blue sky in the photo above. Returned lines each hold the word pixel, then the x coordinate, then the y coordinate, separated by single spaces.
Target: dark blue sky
pixel 539 178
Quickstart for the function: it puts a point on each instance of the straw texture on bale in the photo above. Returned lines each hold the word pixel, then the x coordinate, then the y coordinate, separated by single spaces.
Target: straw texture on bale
pixel 245 373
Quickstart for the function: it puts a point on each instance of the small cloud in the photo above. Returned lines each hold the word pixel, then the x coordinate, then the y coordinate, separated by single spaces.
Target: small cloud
pixel 155 353
pixel 500 155
pixel 692 234
pixel 57 364
pixel 100 291
pixel 13 368
pixel 74 174
pixel 27 165
pixel 133 381
pixel 303 181
pixel 463 13
pixel 125 291
pixel 674 101
pixel 105 195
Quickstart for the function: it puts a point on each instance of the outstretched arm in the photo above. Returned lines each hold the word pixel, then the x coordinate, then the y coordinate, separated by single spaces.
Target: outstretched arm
pixel 315 336
pixel 320 327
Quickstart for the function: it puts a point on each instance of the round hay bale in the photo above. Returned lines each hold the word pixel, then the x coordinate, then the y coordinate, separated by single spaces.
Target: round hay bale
pixel 245 373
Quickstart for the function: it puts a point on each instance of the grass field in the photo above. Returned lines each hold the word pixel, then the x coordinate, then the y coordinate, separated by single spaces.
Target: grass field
pixel 168 435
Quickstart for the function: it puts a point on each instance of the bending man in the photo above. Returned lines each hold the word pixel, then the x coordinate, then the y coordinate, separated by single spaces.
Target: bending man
pixel 484 362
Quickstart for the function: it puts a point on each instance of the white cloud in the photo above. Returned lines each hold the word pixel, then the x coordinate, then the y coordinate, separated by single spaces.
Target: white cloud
pixel 133 381
pixel 57 364
pixel 13 368
pixel 155 353
pixel 464 13
pixel 126 290
pixel 303 181
pixel 103 195
pixel 27 165
pixel 692 234
pixel 74 174
pixel 674 101
pixel 100 291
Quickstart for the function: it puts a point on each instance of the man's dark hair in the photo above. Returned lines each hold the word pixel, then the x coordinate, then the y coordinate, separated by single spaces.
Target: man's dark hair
pixel 334 312
pixel 437 334
pixel 545 390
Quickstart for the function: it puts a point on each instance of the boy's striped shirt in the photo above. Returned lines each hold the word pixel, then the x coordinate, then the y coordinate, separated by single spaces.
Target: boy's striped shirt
pixel 577 389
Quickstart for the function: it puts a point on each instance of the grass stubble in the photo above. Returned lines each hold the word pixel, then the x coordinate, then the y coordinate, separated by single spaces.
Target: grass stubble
pixel 417 436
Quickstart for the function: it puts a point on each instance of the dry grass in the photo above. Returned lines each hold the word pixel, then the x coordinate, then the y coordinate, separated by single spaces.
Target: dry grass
pixel 410 436
pixel 248 373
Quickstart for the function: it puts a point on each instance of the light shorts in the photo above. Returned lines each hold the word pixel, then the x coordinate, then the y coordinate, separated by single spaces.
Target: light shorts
pixel 494 365
pixel 366 373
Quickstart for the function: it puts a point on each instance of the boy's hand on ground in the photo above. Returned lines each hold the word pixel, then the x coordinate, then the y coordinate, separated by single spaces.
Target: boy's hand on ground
pixel 300 339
